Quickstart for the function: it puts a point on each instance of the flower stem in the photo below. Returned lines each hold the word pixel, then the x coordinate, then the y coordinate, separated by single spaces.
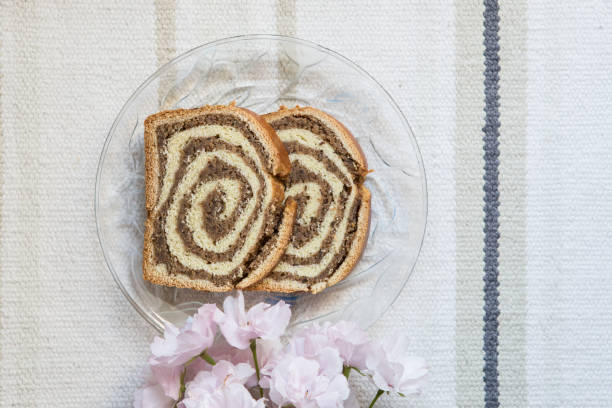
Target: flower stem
pixel 376 397
pixel 358 371
pixel 203 355
pixel 182 388
pixel 206 357
pixel 346 371
pixel 254 351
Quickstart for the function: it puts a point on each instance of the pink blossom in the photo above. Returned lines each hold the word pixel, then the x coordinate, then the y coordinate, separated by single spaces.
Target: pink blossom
pixel 267 350
pixel 226 372
pixel 152 396
pixel 222 373
pixel 231 396
pixel 178 346
pixel 168 379
pixel 309 341
pixel 303 382
pixel 194 368
pixel 221 387
pixel 350 341
pixel 261 321
pixel 393 369
pixel 327 356
pixel 268 354
pixel 221 350
pixel 203 321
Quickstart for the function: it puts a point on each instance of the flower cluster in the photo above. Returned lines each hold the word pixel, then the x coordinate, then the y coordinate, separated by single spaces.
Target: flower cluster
pixel 248 366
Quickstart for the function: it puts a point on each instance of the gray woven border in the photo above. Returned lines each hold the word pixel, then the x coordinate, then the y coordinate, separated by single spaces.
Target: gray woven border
pixel 491 201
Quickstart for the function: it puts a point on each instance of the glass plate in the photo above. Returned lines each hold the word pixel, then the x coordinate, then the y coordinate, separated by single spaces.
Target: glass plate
pixel 262 72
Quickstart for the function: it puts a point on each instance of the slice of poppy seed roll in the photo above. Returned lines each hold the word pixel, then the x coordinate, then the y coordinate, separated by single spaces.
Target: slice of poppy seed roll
pixel 216 214
pixel 328 169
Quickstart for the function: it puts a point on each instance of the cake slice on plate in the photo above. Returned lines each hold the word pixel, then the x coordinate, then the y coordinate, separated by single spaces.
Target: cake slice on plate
pixel 328 169
pixel 216 215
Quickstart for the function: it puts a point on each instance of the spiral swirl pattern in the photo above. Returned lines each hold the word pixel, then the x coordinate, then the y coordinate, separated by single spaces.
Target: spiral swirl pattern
pixel 326 182
pixel 217 205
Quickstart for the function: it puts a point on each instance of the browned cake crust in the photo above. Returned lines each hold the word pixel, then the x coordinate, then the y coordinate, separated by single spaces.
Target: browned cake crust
pixel 158 128
pixel 355 161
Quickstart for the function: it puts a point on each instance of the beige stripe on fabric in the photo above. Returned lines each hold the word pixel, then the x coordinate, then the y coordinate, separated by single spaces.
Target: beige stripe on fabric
pixel 19 252
pixel 512 168
pixel 165 40
pixel 285 17
pixel 1 208
pixel 469 216
pixel 201 22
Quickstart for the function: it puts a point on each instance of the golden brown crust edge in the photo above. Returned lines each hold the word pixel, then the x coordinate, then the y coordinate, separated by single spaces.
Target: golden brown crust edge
pixel 151 164
pixel 358 244
pixel 348 139
pixel 280 168
pixel 282 241
pixel 280 164
pixel 151 194
pixel 281 159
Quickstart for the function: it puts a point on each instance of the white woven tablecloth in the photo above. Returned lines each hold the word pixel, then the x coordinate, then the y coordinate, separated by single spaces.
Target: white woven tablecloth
pixel 69 338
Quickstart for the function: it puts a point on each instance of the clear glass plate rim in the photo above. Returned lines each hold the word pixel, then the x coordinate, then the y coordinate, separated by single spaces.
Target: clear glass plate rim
pixel 156 323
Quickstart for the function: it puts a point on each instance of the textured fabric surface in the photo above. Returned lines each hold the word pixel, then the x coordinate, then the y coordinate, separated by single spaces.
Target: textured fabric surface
pixel 69 338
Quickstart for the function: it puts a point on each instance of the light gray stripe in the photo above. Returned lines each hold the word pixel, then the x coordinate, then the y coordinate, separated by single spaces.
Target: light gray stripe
pixel 512 251
pixel 468 197
pixel 285 17
pixel 165 41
